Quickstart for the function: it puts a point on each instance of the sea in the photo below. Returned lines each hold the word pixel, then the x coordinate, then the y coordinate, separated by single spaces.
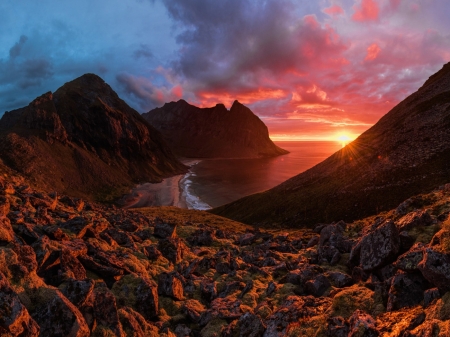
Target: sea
pixel 214 182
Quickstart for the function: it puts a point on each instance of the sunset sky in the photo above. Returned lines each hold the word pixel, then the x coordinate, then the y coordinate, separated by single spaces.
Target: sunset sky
pixel 310 69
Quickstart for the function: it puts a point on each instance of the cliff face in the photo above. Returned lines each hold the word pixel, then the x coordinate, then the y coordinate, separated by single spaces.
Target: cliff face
pixel 407 152
pixel 213 132
pixel 84 140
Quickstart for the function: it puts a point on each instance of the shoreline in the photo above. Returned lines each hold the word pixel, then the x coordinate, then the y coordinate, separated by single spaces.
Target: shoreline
pixel 172 191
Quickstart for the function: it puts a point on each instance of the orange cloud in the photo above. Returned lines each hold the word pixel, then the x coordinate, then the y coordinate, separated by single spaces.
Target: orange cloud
pixel 367 11
pixel 372 52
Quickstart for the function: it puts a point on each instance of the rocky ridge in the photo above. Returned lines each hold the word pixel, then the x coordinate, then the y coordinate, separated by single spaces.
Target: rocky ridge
pixel 74 268
pixel 85 141
pixel 213 132
pixel 404 154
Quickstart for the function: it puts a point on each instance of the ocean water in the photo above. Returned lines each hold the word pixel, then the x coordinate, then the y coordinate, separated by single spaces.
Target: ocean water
pixel 215 182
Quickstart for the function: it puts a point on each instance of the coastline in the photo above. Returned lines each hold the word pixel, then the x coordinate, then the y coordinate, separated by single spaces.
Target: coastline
pixel 172 191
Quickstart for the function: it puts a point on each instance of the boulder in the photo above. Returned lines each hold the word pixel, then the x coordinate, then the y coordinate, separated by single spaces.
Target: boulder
pixel 105 312
pixel 169 284
pixel 56 316
pixel 15 320
pixel 379 247
pixel 165 230
pixel 173 249
pixel 407 290
pixel 414 219
pixel 362 325
pixel 435 267
pixel 317 286
pixel 77 291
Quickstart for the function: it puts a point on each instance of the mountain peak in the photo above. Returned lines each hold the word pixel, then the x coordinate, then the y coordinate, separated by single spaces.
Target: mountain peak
pixel 213 132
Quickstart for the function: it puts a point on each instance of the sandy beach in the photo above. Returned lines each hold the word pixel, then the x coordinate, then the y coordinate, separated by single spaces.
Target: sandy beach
pixel 173 191
pixel 166 193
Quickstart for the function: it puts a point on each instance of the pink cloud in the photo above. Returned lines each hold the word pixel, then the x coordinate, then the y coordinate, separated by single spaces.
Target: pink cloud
pixel 372 52
pixel 367 11
pixel 334 10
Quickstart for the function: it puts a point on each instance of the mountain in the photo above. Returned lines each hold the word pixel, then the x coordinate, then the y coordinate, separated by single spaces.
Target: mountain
pixel 407 152
pixel 213 132
pixel 84 140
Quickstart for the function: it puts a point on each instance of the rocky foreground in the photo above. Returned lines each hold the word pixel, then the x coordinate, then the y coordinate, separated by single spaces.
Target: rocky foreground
pixel 72 268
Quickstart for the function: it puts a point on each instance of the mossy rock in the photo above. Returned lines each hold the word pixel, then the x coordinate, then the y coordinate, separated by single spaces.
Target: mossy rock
pixel 350 299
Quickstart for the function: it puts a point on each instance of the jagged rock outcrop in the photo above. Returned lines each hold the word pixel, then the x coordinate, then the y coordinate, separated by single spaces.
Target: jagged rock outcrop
pixel 85 141
pixel 213 132
pixel 404 154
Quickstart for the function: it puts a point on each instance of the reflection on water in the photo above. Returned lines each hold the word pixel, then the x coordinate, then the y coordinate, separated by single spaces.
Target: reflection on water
pixel 219 181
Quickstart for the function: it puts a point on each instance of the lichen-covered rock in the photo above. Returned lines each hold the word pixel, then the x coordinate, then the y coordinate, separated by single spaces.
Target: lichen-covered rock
pixel 435 267
pixel 135 325
pixel 56 316
pixel 169 284
pixel 410 260
pixel 77 291
pixel 15 320
pixel 6 231
pixel 414 219
pixel 379 247
pixel 407 290
pixel 105 312
pixel 173 249
pixel 362 325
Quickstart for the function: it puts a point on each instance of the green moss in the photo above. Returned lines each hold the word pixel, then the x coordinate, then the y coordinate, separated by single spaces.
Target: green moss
pixel 214 328
pixel 350 299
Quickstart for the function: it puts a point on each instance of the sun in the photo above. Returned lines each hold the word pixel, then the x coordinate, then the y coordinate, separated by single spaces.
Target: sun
pixel 344 139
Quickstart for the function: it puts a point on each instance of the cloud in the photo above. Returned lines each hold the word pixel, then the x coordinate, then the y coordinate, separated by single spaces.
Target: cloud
pixel 367 10
pixel 147 94
pixel 16 49
pixel 334 10
pixel 372 52
pixel 143 51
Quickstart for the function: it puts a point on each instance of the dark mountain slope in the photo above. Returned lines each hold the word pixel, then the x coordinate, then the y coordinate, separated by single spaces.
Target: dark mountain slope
pixel 407 152
pixel 213 132
pixel 85 141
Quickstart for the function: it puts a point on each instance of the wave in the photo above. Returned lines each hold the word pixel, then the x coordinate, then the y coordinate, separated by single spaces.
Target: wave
pixel 187 192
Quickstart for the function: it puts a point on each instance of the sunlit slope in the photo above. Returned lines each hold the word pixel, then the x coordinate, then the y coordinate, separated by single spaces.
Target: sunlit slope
pixel 407 152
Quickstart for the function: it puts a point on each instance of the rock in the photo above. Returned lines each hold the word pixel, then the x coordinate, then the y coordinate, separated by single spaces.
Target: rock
pixel 165 230
pixel 139 293
pixel 333 235
pixel 14 317
pixel 247 239
pixel 182 331
pixel 317 286
pixel 291 310
pixel 105 311
pixel 379 247
pixel 435 267
pixel 208 290
pixel 193 310
pixel 413 220
pixel 250 325
pixel 407 290
pixel 26 256
pixel 337 327
pixel 152 252
pixel 314 241
pixel 202 237
pixel 409 261
pixel 430 295
pixel 56 316
pixel 173 249
pixel 76 291
pixel 77 226
pixel 339 280
pixel 71 266
pixel 6 231
pixel 135 325
pixel 362 325
pixel 121 237
pixel 169 284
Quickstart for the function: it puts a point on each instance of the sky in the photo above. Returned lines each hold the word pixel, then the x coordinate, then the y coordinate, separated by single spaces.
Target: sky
pixel 311 70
